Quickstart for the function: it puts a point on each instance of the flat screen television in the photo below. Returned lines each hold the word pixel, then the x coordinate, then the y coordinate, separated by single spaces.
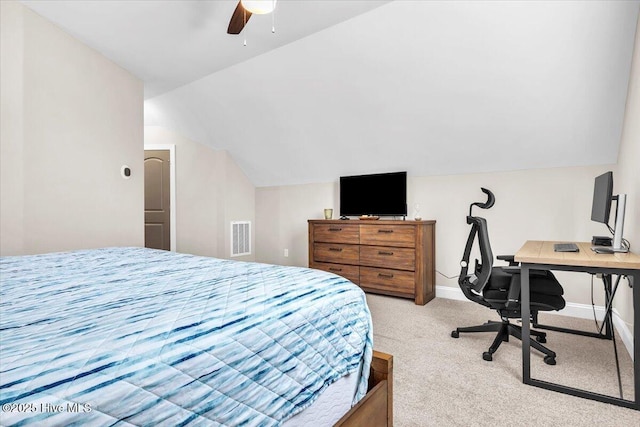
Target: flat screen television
pixel 383 194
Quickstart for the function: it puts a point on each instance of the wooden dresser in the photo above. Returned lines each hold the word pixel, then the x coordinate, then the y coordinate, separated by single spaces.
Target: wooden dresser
pixel 386 257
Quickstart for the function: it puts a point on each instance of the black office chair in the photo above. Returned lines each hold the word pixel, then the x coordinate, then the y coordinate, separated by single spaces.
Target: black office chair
pixel 499 288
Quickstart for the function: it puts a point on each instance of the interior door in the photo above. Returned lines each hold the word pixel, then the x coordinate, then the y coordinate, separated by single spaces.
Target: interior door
pixel 157 211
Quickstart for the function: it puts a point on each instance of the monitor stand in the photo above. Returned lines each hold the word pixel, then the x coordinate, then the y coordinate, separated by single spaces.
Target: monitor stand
pixel 621 201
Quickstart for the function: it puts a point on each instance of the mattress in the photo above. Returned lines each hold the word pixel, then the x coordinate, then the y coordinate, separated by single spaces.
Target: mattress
pixel 330 406
pixel 134 336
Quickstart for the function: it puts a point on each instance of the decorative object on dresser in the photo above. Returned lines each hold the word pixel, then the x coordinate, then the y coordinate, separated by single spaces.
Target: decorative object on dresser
pixel 386 257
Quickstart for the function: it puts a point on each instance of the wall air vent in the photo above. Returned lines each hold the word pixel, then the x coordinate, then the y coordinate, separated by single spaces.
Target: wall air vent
pixel 240 238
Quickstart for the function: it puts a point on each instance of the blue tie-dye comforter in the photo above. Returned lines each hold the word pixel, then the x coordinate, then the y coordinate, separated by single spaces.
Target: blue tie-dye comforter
pixel 133 336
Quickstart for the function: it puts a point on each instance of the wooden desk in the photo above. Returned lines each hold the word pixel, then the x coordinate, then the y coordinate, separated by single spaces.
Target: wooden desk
pixel 540 255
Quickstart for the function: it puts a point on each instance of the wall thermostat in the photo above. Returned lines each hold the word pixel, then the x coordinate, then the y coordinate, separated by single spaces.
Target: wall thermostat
pixel 125 171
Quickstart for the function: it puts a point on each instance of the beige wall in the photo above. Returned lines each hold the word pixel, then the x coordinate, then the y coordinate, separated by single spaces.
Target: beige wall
pixel 11 129
pixel 533 204
pixel 73 119
pixel 211 191
pixel 281 220
pixel 542 204
pixel 238 200
pixel 627 177
pixel 70 119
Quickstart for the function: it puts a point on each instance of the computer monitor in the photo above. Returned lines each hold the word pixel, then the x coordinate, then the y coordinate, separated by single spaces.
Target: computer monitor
pixel 601 208
pixel 602 194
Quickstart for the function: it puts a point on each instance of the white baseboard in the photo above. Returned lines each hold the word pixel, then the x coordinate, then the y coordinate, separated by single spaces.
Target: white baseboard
pixel 581 311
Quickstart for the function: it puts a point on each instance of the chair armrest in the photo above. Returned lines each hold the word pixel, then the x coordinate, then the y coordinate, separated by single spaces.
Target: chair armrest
pixel 509 258
pixel 513 298
pixel 515 269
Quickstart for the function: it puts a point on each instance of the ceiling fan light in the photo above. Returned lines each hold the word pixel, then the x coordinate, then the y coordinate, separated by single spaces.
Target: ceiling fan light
pixel 259 7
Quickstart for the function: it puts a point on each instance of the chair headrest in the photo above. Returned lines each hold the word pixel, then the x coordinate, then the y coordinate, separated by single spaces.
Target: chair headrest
pixel 491 199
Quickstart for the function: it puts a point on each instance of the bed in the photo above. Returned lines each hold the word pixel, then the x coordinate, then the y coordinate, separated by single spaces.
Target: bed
pixel 135 336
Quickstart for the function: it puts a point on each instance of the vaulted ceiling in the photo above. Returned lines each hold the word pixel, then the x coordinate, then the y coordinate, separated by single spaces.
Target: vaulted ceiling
pixel 347 87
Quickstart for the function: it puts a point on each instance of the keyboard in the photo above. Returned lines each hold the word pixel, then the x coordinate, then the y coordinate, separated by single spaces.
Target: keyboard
pixel 566 247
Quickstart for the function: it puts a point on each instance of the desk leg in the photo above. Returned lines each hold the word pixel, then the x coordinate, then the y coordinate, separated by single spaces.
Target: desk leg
pixel 635 282
pixel 634 276
pixel 608 318
pixel 526 326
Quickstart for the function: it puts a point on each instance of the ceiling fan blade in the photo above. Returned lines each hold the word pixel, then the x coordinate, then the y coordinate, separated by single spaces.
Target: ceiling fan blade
pixel 238 20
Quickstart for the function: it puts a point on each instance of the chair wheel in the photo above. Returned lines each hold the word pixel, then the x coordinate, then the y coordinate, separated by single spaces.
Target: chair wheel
pixel 541 339
pixel 455 334
pixel 549 360
pixel 487 356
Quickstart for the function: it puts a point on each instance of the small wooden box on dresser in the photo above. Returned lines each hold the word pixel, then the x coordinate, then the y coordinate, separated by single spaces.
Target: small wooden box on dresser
pixel 385 257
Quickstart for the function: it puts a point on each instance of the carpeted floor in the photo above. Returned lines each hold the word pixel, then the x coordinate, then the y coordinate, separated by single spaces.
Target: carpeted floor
pixel 442 381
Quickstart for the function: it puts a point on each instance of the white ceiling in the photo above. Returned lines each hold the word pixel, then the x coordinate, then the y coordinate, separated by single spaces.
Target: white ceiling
pixel 346 87
pixel 168 43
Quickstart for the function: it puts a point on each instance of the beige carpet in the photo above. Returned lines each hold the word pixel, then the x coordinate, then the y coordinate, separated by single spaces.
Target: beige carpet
pixel 442 381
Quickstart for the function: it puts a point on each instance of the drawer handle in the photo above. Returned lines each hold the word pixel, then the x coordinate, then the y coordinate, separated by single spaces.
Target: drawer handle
pixel 335 269
pixel 385 275
pixel 336 249
pixel 385 231
pixel 335 229
pixel 385 253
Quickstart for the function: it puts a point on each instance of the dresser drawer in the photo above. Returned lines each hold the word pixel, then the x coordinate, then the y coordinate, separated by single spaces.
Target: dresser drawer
pixel 350 272
pixel 388 235
pixel 338 233
pixel 393 281
pixel 388 257
pixel 336 253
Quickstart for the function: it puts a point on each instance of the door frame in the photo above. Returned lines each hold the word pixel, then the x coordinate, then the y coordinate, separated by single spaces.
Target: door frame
pixel 172 187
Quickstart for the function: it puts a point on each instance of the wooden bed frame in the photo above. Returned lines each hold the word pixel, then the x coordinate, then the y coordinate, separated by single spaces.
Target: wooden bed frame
pixel 376 407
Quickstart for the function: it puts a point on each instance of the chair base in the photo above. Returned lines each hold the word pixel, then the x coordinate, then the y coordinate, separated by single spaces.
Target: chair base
pixel 506 329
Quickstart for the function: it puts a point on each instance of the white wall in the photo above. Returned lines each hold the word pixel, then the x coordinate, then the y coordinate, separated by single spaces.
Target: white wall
pixel 531 204
pixel 432 87
pixel 211 191
pixel 627 176
pixel 72 118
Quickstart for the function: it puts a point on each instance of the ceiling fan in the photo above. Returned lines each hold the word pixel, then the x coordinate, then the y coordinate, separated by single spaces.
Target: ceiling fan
pixel 245 9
